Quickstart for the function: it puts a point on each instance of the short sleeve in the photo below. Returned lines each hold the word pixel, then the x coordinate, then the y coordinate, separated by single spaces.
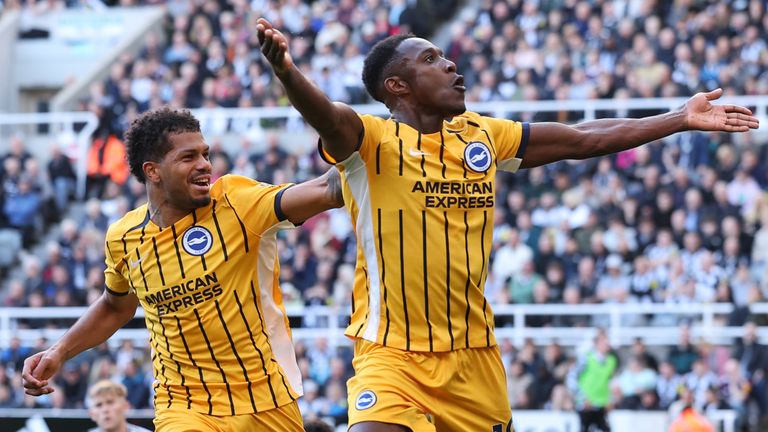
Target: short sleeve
pixel 510 138
pixel 373 128
pixel 116 284
pixel 257 204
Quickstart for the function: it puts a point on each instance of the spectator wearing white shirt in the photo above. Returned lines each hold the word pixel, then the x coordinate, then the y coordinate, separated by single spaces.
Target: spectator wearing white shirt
pixel 613 287
pixel 634 380
pixel 692 252
pixel 511 257
pixel 708 276
pixel 546 214
pixel 667 384
pixel 619 238
pixel 699 380
pixel 743 191
pixel 644 281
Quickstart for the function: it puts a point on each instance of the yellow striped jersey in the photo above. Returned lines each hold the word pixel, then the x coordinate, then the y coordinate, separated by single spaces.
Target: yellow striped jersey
pixel 209 287
pixel 422 207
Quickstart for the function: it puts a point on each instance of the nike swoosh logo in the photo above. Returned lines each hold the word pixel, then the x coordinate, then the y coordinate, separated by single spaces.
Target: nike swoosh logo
pixel 134 264
pixel 414 152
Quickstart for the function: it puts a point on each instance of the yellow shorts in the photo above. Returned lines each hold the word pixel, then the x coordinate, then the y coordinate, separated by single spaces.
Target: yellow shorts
pixel 455 391
pixel 286 418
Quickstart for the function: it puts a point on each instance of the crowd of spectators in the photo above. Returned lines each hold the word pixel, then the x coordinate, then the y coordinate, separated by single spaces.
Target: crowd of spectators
pixel 682 220
pixel 210 56
pixel 508 50
pixel 567 49
pixel 34 193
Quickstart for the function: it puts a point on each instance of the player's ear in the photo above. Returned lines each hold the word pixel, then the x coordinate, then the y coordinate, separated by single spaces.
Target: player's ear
pixel 396 86
pixel 151 171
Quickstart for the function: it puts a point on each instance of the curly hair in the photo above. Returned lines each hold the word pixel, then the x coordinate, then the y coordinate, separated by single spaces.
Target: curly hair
pixel 147 138
pixel 377 60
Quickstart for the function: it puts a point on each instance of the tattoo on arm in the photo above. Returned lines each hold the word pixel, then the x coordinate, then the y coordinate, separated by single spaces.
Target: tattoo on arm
pixel 334 187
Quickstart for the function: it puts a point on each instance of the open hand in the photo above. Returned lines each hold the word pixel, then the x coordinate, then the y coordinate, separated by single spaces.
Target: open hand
pixel 38 369
pixel 701 114
pixel 274 46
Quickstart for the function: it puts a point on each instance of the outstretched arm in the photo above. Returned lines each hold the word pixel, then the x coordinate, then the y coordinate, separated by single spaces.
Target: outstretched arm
pixel 338 125
pixel 102 319
pixel 304 200
pixel 551 142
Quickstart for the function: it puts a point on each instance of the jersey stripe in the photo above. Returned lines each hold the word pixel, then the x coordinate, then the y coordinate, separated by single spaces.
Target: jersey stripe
pixel 368 294
pixel 483 275
pixel 202 256
pixel 242 226
pixel 448 278
pixel 402 287
pixel 237 356
pixel 178 253
pixel 442 153
pixel 157 349
pixel 218 230
pixel 256 348
pixel 400 140
pixel 426 276
pixel 383 276
pixel 178 366
pixel 213 357
pixel 423 155
pixel 157 260
pixel 194 364
pixel 141 269
pixel 469 280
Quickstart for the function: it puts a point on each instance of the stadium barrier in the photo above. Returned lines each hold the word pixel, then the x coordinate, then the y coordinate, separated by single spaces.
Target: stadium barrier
pixel 511 109
pixel 623 323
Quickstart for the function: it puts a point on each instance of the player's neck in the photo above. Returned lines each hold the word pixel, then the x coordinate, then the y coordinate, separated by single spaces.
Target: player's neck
pixel 425 123
pixel 164 214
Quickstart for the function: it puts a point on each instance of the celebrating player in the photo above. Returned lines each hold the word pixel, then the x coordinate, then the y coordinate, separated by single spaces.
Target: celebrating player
pixel 420 189
pixel 201 259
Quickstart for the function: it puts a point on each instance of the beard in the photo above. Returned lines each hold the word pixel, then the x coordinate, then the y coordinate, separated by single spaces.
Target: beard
pixel 200 202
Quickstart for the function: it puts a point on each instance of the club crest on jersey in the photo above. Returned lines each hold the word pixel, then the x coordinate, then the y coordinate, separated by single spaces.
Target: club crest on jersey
pixel 197 240
pixel 365 400
pixel 477 156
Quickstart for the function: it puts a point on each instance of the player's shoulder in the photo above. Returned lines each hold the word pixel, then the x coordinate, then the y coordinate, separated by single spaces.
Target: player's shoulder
pixel 231 182
pixel 373 120
pixel 470 116
pixel 476 119
pixel 128 222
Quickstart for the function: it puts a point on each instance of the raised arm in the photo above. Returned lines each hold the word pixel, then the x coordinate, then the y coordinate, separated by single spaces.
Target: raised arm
pixel 100 321
pixel 338 125
pixel 551 142
pixel 304 200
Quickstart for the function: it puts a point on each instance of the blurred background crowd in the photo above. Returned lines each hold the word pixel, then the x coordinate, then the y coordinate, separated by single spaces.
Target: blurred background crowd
pixel 679 221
